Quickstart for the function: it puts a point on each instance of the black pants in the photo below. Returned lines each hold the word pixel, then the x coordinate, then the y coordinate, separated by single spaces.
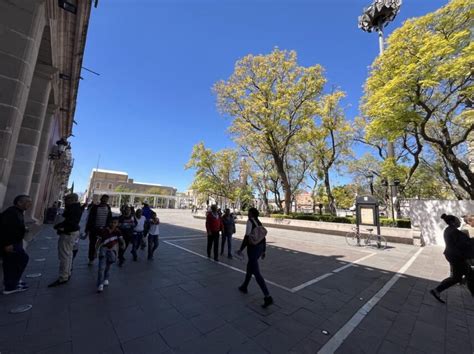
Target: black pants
pixel 93 234
pixel 14 264
pixel 127 238
pixel 459 269
pixel 213 239
pixel 254 253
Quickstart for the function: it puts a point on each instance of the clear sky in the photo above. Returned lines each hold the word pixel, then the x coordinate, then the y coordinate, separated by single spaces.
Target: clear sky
pixel 158 60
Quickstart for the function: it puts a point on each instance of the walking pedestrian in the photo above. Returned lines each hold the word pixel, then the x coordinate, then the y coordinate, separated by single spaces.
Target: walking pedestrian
pixel 213 227
pixel 147 213
pixel 12 233
pixel 254 252
pixel 228 222
pixel 153 235
pixel 99 217
pixel 127 223
pixel 138 233
pixel 68 231
pixel 456 252
pixel 108 241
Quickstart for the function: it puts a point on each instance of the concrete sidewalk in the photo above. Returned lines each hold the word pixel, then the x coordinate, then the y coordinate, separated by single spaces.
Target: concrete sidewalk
pixel 182 303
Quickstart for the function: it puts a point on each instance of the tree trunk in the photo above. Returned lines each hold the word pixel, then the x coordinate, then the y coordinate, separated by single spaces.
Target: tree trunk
pixel 327 184
pixel 279 164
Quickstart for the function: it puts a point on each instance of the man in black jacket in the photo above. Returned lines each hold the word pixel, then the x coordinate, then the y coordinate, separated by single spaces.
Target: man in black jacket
pixel 12 232
pixel 99 217
pixel 68 232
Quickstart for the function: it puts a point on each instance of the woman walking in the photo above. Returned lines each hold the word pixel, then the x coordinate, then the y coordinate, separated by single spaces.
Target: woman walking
pixel 456 253
pixel 254 252
pixel 227 232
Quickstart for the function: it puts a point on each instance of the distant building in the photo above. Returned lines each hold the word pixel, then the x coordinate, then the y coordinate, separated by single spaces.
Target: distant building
pixel 304 201
pixel 124 190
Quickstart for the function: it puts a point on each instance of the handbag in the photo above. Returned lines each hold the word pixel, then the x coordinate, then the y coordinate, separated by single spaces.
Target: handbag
pixel 257 234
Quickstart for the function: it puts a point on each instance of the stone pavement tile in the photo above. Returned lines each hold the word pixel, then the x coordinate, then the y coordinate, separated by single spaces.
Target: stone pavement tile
pixel 12 331
pixel 130 329
pixel 275 341
pixel 306 346
pixel 251 325
pixel 361 341
pixel 39 341
pixel 128 314
pixel 62 348
pixel 247 347
pixel 179 333
pixel 306 317
pixel 207 322
pixel 58 324
pixel 192 309
pixel 427 337
pixel 151 343
pixel 201 345
pixel 294 329
pixel 228 334
pixel 230 313
pixel 390 346
pixel 93 336
pixel 167 318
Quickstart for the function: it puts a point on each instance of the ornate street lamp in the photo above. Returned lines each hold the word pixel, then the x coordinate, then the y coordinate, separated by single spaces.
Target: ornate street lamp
pixel 378 15
pixel 375 18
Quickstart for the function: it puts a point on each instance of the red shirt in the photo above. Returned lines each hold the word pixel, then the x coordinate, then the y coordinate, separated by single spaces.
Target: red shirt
pixel 213 224
pixel 109 238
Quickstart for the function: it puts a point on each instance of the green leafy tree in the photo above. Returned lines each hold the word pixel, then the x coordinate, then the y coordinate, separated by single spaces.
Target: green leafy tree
pixel 216 173
pixel 424 82
pixel 330 140
pixel 270 99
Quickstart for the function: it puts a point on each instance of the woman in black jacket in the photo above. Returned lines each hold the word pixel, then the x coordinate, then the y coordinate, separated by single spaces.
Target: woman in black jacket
pixel 254 252
pixel 457 248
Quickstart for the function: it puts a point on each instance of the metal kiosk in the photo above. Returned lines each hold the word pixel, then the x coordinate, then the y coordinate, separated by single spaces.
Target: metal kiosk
pixel 367 213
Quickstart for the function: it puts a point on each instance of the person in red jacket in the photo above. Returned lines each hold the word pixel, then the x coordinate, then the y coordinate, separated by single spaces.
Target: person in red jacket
pixel 213 227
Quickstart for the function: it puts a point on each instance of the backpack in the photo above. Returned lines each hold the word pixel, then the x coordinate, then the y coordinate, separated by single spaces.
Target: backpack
pixel 258 234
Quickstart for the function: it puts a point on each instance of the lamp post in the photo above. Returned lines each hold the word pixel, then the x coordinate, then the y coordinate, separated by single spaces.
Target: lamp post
pixel 370 181
pixel 396 183
pixel 375 18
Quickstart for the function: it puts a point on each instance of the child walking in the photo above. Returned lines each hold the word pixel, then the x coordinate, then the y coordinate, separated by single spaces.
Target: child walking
pixel 153 235
pixel 109 240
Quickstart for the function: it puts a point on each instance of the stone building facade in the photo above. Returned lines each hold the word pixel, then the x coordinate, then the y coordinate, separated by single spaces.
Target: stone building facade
pixel 41 50
pixel 118 185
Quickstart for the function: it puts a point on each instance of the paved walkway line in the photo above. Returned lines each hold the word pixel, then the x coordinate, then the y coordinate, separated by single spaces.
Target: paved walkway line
pixel 338 338
pixel 360 249
pixel 324 276
pixel 227 266
pixel 180 239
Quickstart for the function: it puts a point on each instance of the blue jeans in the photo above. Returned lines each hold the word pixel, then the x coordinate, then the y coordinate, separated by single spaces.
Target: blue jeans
pixel 14 264
pixel 254 253
pixel 228 238
pixel 152 245
pixel 107 257
pixel 136 241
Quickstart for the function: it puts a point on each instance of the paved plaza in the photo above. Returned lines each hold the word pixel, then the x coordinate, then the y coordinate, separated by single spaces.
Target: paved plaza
pixel 329 297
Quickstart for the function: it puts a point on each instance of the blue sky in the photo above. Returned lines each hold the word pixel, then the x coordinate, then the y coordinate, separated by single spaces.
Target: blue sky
pixel 159 59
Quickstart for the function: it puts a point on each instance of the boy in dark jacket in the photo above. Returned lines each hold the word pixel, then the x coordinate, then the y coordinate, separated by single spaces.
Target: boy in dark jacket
pixel 12 230
pixel 68 232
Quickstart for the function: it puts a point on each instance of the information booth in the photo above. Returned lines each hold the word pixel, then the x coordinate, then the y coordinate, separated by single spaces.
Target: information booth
pixel 367 212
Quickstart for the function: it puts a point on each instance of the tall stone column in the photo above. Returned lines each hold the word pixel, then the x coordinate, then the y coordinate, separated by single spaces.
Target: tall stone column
pixel 22 25
pixel 21 173
pixel 41 165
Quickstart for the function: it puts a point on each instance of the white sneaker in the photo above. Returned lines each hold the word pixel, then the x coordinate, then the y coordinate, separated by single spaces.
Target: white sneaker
pixel 106 282
pixel 100 288
pixel 17 290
